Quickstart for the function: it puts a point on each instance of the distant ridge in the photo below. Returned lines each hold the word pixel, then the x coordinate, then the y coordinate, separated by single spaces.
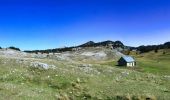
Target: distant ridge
pixel 148 48
pixel 103 43
pixel 114 44
pixel 87 44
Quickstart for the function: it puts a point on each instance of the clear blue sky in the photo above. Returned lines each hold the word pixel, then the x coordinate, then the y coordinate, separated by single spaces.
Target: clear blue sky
pixel 43 24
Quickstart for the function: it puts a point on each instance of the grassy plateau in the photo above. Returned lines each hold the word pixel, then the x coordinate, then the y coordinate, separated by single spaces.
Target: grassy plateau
pixel 150 80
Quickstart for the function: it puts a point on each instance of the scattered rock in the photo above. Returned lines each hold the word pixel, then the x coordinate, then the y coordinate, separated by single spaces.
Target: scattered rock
pixel 167 76
pixel 124 74
pixel 42 65
pixel 78 80
pixel 85 65
pixel 89 70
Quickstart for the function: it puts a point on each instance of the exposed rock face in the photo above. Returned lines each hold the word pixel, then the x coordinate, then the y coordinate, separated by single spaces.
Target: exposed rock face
pixel 85 54
pixel 97 54
pixel 12 53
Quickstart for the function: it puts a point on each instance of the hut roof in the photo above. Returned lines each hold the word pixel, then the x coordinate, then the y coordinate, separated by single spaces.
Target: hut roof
pixel 128 58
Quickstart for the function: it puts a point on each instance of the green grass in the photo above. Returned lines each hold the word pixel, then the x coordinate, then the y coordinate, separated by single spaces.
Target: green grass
pixel 110 63
pixel 156 63
pixel 70 82
pixel 151 66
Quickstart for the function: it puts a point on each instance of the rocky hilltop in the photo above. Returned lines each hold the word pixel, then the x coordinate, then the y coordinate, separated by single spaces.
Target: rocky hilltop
pixel 109 44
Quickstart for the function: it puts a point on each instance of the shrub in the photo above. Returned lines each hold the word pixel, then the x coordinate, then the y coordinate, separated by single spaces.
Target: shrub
pixel 156 50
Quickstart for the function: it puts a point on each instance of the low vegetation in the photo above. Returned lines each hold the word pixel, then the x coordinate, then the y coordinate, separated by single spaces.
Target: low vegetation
pixel 86 74
pixel 70 81
pixel 155 62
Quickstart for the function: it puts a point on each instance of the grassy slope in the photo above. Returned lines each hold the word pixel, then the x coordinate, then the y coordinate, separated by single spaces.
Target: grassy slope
pixel 157 63
pixel 68 81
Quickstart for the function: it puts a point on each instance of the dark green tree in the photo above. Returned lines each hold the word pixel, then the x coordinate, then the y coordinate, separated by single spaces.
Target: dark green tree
pixel 14 48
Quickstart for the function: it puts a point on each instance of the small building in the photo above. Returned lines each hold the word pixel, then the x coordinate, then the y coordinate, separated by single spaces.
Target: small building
pixel 127 61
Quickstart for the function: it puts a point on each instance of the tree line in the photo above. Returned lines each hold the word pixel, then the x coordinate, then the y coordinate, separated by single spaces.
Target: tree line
pixel 148 48
pixel 13 48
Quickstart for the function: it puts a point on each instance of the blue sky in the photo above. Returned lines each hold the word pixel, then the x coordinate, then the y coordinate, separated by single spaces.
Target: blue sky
pixel 43 24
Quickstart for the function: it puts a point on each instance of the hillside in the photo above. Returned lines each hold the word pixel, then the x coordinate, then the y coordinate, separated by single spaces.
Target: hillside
pixel 148 48
pixel 154 62
pixel 116 45
pixel 77 75
pixel 108 43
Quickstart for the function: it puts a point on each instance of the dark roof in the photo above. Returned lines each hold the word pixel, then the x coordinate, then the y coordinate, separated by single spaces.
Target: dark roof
pixel 128 58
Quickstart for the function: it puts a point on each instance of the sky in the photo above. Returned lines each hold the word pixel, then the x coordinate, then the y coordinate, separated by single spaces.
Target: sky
pixel 45 24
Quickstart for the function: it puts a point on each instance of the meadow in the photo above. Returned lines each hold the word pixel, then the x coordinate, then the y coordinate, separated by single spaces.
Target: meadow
pixel 71 81
pixel 156 63
pixel 52 79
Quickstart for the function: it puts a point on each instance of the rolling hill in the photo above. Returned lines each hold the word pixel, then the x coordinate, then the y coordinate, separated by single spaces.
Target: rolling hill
pixel 88 72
